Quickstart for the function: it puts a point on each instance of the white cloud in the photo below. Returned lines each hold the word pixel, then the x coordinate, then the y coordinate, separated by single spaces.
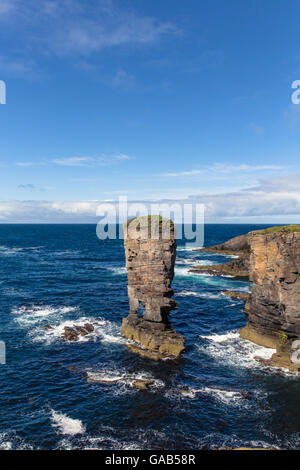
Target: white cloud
pixel 74 161
pixel 103 160
pixel 276 198
pixel 184 173
pixel 223 168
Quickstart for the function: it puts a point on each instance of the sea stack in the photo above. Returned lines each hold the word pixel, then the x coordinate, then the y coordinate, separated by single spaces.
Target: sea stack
pixel 274 305
pixel 150 250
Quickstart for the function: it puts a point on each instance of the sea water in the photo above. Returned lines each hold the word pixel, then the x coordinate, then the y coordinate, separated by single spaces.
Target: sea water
pixel 215 396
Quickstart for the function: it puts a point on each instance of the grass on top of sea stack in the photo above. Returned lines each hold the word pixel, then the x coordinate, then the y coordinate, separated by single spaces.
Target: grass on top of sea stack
pixel 151 224
pixel 286 228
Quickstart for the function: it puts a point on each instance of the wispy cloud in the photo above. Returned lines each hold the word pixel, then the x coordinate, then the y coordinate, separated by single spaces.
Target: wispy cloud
pixel 102 160
pixel 29 164
pixel 33 187
pixel 16 66
pixel 26 186
pixel 90 161
pixel 225 168
pixel 184 173
pixel 76 27
pixel 74 161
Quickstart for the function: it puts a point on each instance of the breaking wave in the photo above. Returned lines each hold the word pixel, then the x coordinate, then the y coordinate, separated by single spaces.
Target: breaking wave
pixel 66 425
pixel 232 350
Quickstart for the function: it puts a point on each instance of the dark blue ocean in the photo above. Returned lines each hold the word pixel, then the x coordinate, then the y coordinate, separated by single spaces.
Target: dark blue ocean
pixel 215 396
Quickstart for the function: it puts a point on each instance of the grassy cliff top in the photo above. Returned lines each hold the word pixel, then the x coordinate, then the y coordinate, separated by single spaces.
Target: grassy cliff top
pixel 286 228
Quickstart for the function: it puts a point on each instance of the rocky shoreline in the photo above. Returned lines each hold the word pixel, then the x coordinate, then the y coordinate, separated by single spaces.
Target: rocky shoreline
pixel 238 268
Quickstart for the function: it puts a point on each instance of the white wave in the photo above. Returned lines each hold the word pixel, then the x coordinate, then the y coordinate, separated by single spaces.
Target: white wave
pixel 201 295
pixel 192 262
pixel 66 253
pixel 30 315
pixel 12 442
pixel 96 443
pixel 215 338
pixel 136 440
pixel 228 397
pixel 66 425
pixel 185 271
pixel 5 445
pixel 189 248
pixel 121 377
pixel 230 349
pixel 118 271
pixel 5 250
pixel 104 330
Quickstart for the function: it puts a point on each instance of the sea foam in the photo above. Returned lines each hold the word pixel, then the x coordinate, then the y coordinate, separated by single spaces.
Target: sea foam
pixel 66 425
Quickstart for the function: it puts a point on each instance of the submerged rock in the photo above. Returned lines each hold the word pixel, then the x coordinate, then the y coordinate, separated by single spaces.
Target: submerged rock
pixel 150 249
pixel 142 384
pixel 73 333
pixel 236 295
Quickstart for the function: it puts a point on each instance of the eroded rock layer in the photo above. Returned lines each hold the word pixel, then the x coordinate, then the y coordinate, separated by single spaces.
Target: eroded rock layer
pixel 275 273
pixel 274 305
pixel 150 250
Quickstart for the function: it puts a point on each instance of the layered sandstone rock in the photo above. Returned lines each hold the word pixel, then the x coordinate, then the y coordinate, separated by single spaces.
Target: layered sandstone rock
pixel 236 245
pixel 238 268
pixel 150 249
pixel 274 305
pixel 275 273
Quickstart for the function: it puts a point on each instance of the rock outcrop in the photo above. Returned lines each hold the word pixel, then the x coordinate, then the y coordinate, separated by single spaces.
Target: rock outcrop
pixel 239 267
pixel 73 333
pixel 274 304
pixel 234 246
pixel 150 249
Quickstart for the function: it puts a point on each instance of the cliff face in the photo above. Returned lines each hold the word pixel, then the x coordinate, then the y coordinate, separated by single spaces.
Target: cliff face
pixel 150 261
pixel 239 268
pixel 275 272
pixel 236 245
pixel 274 305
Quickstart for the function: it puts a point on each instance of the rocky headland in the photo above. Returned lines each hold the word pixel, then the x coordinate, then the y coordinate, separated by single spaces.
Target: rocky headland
pixel 274 303
pixel 238 247
pixel 150 250
pixel 271 260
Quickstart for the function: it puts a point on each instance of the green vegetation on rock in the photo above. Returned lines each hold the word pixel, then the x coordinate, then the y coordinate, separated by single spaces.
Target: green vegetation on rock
pixel 286 228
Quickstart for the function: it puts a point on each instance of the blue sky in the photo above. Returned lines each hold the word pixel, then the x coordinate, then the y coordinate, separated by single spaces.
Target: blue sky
pixel 153 100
